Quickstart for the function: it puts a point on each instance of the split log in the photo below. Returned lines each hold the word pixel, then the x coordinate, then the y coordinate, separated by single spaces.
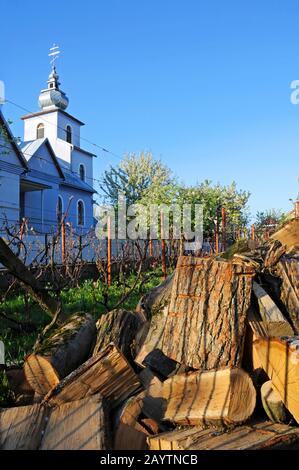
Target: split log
pixel 273 404
pixel 260 436
pixel 21 427
pixel 129 434
pixel 79 425
pixel 67 348
pixel 289 234
pixel 269 311
pixel 280 360
pixel 118 327
pixel 155 299
pixel 218 398
pixel 17 268
pixel 288 271
pixel 108 373
pixel 204 325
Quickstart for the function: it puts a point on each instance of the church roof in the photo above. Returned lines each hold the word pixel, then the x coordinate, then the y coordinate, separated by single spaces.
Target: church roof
pixel 71 179
pixel 31 147
pixel 40 113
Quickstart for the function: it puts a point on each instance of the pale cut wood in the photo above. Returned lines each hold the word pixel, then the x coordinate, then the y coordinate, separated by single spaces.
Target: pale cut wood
pixel 280 360
pixel 289 234
pixel 219 398
pixel 264 328
pixel 79 425
pixel 118 327
pixel 107 373
pixel 288 271
pixel 269 311
pixel 273 404
pixel 260 436
pixel 21 427
pixel 204 325
pixel 128 438
pixel 67 348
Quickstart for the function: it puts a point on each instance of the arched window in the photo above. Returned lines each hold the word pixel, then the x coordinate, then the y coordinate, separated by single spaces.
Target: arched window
pixel 82 172
pixel 68 134
pixel 40 131
pixel 59 209
pixel 80 213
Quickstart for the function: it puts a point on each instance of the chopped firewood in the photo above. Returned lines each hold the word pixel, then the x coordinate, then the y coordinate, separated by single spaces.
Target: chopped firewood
pixel 150 424
pixel 266 328
pixel 268 309
pixel 289 234
pixel 108 373
pixel 128 438
pixel 204 325
pixel 275 251
pixel 273 404
pixel 288 271
pixel 21 427
pixel 217 398
pixel 118 327
pixel 79 425
pixel 264 435
pixel 280 360
pixel 67 348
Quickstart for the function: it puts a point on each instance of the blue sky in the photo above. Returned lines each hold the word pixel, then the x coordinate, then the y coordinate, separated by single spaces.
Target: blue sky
pixel 205 86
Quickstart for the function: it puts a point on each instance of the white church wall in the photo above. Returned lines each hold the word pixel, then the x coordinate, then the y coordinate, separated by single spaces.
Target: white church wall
pixel 9 197
pixel 63 122
pixel 81 157
pixel 49 120
pixel 77 195
pixel 41 209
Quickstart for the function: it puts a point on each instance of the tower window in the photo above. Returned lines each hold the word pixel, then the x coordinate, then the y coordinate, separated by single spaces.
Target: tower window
pixel 68 134
pixel 82 172
pixel 59 209
pixel 80 213
pixel 40 131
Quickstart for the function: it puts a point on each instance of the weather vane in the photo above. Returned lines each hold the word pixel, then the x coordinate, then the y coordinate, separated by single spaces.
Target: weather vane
pixel 54 54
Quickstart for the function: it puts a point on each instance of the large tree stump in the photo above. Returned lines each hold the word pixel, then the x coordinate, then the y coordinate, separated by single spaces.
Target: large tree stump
pixel 118 327
pixel 218 398
pixel 273 404
pixel 280 360
pixel 68 347
pixel 204 325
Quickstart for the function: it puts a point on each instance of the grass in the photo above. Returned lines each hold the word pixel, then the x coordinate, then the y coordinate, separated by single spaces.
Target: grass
pixel 86 298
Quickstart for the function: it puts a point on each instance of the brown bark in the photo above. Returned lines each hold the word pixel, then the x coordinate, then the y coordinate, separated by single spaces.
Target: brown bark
pixel 219 398
pixel 288 271
pixel 204 325
pixel 119 327
pixel 280 360
pixel 107 373
pixel 68 347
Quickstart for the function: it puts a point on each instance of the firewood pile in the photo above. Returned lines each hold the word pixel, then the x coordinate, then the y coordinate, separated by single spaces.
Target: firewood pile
pixel 209 360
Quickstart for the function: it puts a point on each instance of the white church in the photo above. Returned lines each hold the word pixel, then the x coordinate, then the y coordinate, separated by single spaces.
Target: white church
pixel 48 175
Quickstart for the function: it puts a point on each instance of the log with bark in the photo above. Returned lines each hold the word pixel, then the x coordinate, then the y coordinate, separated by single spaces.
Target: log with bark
pixel 218 398
pixel 79 425
pixel 289 234
pixel 65 349
pixel 108 373
pixel 280 360
pixel 155 299
pixel 204 325
pixel 119 327
pixel 273 404
pixel 260 436
pixel 288 271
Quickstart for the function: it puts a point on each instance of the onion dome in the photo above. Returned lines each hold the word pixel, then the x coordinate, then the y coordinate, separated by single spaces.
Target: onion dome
pixel 52 97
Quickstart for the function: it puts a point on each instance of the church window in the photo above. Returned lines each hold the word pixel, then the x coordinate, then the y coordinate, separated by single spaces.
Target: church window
pixel 69 134
pixel 80 212
pixel 40 131
pixel 82 172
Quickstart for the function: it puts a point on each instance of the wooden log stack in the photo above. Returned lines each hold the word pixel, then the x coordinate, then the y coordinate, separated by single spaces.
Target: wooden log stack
pixel 186 357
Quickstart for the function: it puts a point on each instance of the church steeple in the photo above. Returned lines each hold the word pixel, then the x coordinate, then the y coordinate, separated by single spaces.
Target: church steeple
pixel 53 97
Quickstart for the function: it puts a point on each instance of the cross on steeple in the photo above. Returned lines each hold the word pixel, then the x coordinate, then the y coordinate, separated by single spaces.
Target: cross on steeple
pixel 54 54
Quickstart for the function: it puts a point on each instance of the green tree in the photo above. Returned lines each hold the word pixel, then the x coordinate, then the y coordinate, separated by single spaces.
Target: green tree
pixel 269 219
